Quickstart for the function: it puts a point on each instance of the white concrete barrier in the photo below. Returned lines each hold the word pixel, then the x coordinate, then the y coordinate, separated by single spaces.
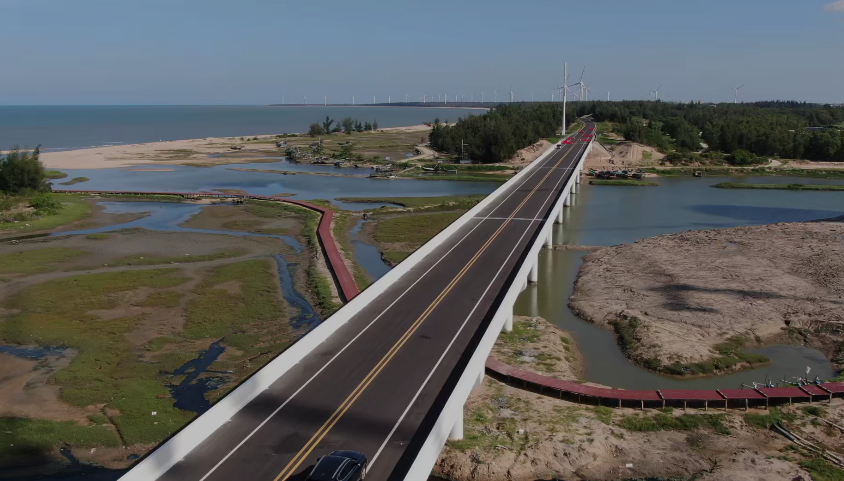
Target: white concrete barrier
pixel 178 446
pixel 452 412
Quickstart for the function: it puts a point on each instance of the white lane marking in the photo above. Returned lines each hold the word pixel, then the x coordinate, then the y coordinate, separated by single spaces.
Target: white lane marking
pixel 448 348
pixel 265 421
pixel 507 218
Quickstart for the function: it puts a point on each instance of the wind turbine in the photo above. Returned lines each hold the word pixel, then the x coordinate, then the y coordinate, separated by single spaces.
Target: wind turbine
pixel 735 94
pixel 353 99
pixel 587 90
pixel 608 95
pixel 582 85
pixel 511 94
pixel 325 101
pixel 482 97
pixel 405 98
pixel 656 93
pixel 304 100
pixel 495 95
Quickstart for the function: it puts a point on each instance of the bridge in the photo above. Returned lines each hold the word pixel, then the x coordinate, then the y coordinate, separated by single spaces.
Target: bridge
pixel 389 373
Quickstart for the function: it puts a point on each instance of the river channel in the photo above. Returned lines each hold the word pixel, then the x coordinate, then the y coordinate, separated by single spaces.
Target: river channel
pixel 603 216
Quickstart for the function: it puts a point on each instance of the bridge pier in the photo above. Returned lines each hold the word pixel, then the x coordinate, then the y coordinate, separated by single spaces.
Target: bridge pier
pixel 549 240
pixel 574 187
pixel 533 277
pixel 578 174
pixel 508 320
pixel 481 376
pixel 456 433
pixel 567 199
pixel 559 219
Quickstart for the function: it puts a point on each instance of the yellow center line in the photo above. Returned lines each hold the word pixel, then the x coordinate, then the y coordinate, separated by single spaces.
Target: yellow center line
pixel 297 460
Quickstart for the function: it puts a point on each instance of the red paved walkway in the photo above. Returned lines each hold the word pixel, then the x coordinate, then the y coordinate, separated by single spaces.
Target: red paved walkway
pixel 345 281
pixel 659 398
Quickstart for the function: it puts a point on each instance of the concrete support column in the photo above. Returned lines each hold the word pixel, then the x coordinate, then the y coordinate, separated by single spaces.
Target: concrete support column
pixel 567 199
pixel 559 216
pixel 574 187
pixel 481 377
pixel 524 286
pixel 579 174
pixel 456 433
pixel 534 271
pixel 549 240
pixel 508 320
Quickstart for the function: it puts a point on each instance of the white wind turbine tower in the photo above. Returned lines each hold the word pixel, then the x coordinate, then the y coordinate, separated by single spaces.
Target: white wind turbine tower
pixel 304 100
pixel 325 101
pixel 405 98
pixel 735 94
pixel 655 93
pixel 512 97
pixel 495 95
pixel 353 99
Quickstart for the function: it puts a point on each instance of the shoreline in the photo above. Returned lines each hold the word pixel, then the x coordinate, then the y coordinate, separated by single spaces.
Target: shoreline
pixel 205 150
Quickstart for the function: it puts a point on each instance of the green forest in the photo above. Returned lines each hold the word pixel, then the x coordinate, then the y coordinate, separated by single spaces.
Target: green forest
pixel 741 134
pixel 498 134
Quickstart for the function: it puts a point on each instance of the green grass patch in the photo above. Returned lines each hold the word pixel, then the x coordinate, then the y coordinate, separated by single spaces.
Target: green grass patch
pixel 105 370
pixel 765 421
pixel 413 229
pixel 821 470
pixel 76 180
pixel 54 174
pixel 71 208
pixel 552 140
pixel 394 257
pixel 603 414
pixel 149 260
pixel 216 312
pixel 667 422
pixel 742 185
pixel 624 182
pixel 98 236
pixel 37 260
pixel 157 343
pixel 162 299
pixel 98 418
pixel 33 437
pixel 320 288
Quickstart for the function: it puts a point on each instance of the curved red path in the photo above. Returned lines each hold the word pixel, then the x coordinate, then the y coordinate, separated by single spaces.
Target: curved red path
pixel 345 281
pixel 658 398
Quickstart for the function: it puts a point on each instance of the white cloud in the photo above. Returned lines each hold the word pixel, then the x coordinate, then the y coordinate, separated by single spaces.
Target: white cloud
pixel 837 6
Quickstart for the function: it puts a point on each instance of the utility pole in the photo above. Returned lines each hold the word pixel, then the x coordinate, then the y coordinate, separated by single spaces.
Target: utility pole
pixel 565 96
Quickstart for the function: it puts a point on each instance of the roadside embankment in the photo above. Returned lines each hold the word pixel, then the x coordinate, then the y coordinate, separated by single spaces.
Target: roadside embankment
pixel 692 303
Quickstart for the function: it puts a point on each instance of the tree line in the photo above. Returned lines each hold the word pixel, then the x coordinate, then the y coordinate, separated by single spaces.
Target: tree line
pixel 796 130
pixel 496 135
pixel 347 125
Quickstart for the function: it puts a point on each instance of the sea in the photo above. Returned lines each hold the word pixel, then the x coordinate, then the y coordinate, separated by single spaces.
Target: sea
pixel 74 127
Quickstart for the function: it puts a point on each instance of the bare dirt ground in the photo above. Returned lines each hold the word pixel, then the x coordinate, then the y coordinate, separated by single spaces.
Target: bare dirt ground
pixel 516 435
pixel 693 290
pixel 24 391
pixel 529 154
pixel 622 155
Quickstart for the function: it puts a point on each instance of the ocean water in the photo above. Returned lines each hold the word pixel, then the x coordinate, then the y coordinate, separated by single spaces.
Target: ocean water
pixel 74 127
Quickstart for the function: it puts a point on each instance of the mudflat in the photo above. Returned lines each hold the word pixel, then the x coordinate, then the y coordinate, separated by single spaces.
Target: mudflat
pixel 690 303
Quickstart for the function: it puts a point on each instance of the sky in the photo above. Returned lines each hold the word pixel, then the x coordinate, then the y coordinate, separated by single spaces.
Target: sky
pixel 250 52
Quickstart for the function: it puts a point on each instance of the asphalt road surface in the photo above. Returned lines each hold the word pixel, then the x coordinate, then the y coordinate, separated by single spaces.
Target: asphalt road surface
pixel 378 384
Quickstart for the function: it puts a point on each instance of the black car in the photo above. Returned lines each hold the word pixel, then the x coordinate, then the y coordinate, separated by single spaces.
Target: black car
pixel 339 466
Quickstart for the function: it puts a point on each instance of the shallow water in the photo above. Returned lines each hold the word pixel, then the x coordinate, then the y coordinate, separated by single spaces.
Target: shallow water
pixel 615 215
pixel 190 392
pixel 31 352
pixel 367 255
pixel 303 187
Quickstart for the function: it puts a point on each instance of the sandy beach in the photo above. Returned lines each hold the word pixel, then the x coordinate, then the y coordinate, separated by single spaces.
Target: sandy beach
pixel 203 151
